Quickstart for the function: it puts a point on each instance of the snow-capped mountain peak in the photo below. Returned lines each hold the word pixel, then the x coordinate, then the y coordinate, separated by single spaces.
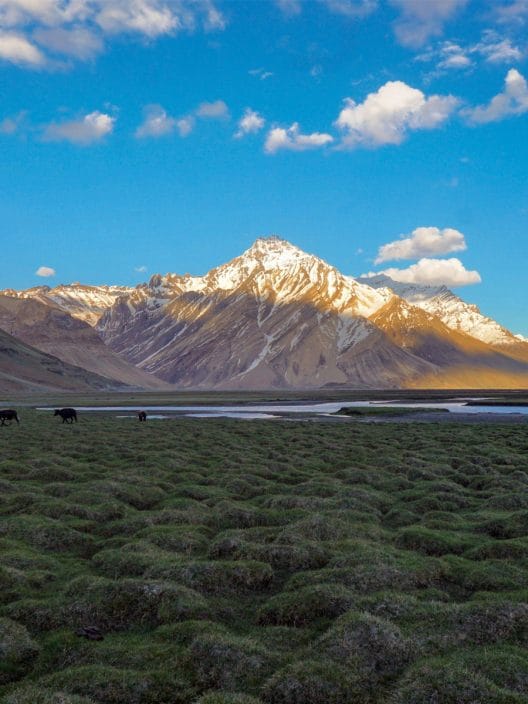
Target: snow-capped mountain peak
pixel 450 308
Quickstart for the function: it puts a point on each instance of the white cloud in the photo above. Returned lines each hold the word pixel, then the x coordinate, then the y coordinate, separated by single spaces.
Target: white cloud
pixel 423 242
pixel 146 17
pixel 348 8
pixel 141 269
pixel 45 271
pixel 291 139
pixel 496 49
pixel 86 130
pixel 492 47
pixel 250 122
pixel 77 42
pixel 10 125
pixel 512 101
pixel 289 7
pixel 157 123
pixel 386 116
pixel 514 13
pixel 75 27
pixel 351 8
pixel 217 110
pixel 433 272
pixel 422 19
pixel 453 56
pixel 185 125
pixel 17 49
pixel 260 73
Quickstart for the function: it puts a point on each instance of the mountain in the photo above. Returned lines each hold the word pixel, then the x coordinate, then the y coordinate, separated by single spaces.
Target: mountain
pixel 279 317
pixel 452 310
pixel 25 369
pixel 87 303
pixel 52 330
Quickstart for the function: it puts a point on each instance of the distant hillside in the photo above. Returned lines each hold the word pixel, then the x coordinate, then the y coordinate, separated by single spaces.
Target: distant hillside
pixel 54 331
pixel 24 368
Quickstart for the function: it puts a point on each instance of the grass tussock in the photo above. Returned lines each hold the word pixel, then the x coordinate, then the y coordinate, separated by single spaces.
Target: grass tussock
pixel 228 562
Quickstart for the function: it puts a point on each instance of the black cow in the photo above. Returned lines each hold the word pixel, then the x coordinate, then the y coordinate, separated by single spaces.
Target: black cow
pixel 7 415
pixel 142 416
pixel 68 415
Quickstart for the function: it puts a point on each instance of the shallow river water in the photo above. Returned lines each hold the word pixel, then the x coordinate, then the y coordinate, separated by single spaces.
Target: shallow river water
pixel 273 410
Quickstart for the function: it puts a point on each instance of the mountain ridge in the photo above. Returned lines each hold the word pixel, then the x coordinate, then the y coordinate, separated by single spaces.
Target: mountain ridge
pixel 276 316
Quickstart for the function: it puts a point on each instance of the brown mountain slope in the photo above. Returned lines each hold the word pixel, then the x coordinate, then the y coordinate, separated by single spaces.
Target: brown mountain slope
pixel 426 336
pixel 50 329
pixel 23 368
pixel 237 340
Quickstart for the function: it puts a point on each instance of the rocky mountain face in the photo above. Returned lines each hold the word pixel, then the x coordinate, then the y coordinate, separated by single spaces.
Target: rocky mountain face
pixel 26 369
pixel 49 329
pixel 279 317
pixel 452 310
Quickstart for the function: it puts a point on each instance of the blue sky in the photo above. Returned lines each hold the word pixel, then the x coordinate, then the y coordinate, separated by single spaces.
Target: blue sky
pixel 167 135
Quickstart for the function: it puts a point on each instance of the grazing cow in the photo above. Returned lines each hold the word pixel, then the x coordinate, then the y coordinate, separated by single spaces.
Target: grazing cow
pixel 7 415
pixel 68 415
pixel 142 416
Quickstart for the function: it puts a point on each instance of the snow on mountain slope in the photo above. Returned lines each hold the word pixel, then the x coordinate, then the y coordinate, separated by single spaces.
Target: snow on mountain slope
pixel 87 303
pixel 452 310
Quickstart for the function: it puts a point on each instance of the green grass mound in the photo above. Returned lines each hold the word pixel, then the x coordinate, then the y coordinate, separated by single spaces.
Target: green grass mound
pixel 38 695
pixel 373 647
pixel 318 681
pixel 120 604
pixel 110 685
pixel 228 562
pixel 450 683
pixel 227 698
pixel 219 576
pixel 225 661
pixel 17 650
pixel 303 606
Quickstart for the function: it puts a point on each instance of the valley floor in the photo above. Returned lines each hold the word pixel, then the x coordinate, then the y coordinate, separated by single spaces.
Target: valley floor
pixel 230 562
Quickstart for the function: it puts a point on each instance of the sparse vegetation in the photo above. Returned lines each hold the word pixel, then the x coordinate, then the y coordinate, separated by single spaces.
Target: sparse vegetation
pixel 269 562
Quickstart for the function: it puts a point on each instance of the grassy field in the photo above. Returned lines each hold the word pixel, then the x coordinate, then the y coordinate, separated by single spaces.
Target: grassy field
pixel 234 562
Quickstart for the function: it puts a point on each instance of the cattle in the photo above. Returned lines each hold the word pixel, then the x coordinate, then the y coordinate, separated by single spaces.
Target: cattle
pixel 68 415
pixel 142 416
pixel 7 415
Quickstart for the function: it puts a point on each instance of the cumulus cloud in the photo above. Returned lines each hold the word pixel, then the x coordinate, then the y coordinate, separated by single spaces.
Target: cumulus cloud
pixel 141 269
pixel 250 122
pixel 512 101
pixel 78 42
pixel 216 110
pixel 185 125
pixel 386 116
pixel 76 28
pixel 434 272
pixel 45 271
pixel 86 130
pixel 17 49
pixel 157 123
pixel 422 19
pixel 291 139
pixel 422 242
